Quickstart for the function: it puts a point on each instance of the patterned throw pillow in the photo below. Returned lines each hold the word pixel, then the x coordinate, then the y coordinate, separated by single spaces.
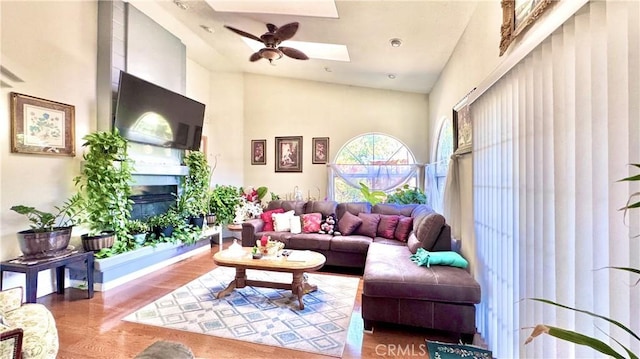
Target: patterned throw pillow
pixel 282 221
pixel 403 228
pixel 387 225
pixel 268 219
pixel 311 222
pixel 369 226
pixel 349 223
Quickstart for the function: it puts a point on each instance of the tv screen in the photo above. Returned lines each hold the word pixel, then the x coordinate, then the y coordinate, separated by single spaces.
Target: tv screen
pixel 148 113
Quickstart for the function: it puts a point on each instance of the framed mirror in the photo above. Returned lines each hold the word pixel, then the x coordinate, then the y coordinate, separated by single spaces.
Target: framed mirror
pixel 517 15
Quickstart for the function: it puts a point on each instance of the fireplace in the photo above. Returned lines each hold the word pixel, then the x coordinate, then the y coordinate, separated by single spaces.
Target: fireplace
pixel 151 200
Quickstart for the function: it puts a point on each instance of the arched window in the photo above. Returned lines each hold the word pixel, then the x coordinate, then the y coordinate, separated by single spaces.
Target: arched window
pixel 380 161
pixel 436 175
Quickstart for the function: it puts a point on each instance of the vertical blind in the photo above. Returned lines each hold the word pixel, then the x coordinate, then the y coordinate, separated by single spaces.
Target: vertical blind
pixel 551 140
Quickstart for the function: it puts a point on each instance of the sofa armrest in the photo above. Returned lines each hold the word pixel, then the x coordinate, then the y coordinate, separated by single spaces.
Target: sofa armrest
pixel 11 343
pixel 249 229
pixel 10 299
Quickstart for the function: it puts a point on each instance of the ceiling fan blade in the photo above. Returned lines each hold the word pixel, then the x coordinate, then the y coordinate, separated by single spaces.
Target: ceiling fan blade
pixel 285 32
pixel 243 33
pixel 272 28
pixel 293 53
pixel 255 57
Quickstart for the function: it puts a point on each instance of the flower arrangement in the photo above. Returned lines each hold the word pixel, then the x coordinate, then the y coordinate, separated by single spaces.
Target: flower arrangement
pixel 250 205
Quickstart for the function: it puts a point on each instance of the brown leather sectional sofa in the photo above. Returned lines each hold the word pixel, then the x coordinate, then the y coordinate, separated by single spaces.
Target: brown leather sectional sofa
pixel 395 289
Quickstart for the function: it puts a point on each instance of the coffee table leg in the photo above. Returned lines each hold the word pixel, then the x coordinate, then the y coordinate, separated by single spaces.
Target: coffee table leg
pixel 238 282
pixel 300 287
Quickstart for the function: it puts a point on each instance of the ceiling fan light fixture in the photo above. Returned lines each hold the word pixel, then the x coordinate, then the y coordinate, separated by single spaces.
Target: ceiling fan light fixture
pixel 181 5
pixel 270 54
pixel 395 42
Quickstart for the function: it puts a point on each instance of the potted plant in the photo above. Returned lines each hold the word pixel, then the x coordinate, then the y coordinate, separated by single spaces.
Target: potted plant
pixel 195 187
pixel 407 195
pixel 104 182
pixel 50 232
pixel 223 200
pixel 164 224
pixel 373 197
pixel 138 229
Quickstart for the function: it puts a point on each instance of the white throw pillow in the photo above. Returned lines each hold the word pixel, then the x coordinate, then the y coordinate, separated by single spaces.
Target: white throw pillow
pixel 282 221
pixel 295 225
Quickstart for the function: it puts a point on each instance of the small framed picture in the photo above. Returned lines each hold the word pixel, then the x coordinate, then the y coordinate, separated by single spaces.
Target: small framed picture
pixel 41 126
pixel 320 150
pixel 289 154
pixel 257 152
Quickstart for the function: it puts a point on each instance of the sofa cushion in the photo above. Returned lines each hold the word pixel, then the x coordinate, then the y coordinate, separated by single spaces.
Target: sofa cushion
pixel 348 223
pixel 413 243
pixel 390 273
pixel 352 244
pixel 324 207
pixel 403 228
pixel 281 221
pixel 353 208
pixel 394 208
pixel 311 222
pixel 387 225
pixel 369 226
pixel 295 224
pixel 267 218
pixel 311 241
pixel 297 206
pixel 429 229
pixel 390 242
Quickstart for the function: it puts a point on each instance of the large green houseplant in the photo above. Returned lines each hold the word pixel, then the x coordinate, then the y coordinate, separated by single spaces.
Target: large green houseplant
pixel 223 200
pixel 193 201
pixel 104 183
pixel 581 339
pixel 50 232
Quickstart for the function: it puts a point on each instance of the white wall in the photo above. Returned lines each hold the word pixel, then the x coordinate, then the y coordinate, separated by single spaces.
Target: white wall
pixel 474 58
pixel 276 107
pixel 56 58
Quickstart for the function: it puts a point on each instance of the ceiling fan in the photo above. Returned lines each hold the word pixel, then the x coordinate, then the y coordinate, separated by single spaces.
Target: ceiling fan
pixel 271 40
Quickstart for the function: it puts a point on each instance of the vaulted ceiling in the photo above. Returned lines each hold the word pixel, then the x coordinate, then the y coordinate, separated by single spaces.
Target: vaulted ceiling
pixel 428 30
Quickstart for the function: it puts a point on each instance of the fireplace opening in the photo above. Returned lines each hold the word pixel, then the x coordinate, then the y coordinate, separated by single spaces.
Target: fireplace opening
pixel 152 200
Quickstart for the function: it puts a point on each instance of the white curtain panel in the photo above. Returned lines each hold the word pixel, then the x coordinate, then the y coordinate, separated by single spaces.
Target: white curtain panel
pixel 551 140
pixel 452 208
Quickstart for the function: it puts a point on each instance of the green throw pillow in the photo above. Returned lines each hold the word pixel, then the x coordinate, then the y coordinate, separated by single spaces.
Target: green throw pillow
pixel 444 258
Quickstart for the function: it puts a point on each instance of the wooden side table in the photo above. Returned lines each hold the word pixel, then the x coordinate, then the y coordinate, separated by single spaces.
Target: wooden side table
pixel 31 268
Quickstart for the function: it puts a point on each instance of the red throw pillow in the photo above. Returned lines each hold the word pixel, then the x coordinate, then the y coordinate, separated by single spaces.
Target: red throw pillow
pixel 348 223
pixel 387 225
pixel 311 222
pixel 369 226
pixel 268 220
pixel 403 229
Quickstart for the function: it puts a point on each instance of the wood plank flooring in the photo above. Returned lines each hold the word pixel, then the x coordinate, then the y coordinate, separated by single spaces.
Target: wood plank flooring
pixel 92 328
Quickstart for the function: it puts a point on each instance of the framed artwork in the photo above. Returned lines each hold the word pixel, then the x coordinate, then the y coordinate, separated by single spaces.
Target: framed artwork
pixel 258 148
pixel 289 154
pixel 41 126
pixel 320 147
pixel 462 128
pixel 517 15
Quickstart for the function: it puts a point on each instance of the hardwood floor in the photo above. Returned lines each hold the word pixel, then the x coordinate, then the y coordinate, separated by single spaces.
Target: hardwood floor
pixel 94 329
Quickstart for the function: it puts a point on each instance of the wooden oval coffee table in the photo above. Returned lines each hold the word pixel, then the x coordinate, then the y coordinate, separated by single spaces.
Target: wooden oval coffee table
pixel 297 264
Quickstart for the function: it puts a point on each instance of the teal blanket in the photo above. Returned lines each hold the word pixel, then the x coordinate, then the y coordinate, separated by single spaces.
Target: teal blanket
pixel 445 258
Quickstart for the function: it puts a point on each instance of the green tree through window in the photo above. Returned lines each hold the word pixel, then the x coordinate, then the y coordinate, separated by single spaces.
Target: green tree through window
pixel 378 160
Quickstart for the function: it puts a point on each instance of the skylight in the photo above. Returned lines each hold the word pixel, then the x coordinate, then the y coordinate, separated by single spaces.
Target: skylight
pixel 315 8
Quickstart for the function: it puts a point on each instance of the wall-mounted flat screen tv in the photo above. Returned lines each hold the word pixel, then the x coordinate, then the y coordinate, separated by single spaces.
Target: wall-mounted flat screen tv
pixel 148 113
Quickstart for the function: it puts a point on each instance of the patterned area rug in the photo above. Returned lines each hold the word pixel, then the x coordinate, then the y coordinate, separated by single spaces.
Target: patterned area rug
pixel 259 315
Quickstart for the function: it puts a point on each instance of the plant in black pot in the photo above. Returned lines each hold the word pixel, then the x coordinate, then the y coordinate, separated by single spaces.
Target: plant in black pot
pixel 50 232
pixel 195 187
pixel 104 183
pixel 164 224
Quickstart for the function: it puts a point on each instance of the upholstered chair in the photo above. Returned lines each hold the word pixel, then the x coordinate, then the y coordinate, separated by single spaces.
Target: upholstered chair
pixel 39 332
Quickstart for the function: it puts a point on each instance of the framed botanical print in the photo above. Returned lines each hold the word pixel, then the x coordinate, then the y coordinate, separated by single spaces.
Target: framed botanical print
pixel 320 147
pixel 42 126
pixel 289 154
pixel 258 148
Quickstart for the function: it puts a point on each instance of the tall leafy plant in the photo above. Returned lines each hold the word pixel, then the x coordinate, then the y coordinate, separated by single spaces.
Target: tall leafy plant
pixel 195 185
pixel 223 199
pixel 407 195
pixel 581 339
pixel 373 197
pixel 104 183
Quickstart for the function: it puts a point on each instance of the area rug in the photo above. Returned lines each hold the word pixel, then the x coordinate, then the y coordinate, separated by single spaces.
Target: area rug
pixel 259 315
pixel 439 350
